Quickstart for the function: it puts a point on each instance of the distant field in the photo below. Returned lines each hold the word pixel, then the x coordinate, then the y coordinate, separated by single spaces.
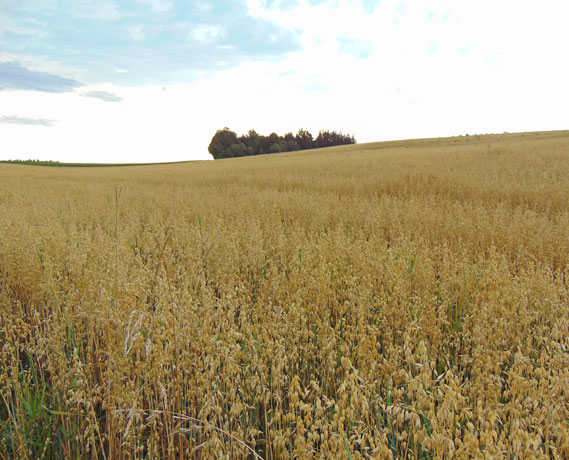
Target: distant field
pixel 57 164
pixel 404 299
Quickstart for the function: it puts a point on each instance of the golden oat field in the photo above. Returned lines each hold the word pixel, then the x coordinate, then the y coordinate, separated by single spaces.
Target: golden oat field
pixel 388 300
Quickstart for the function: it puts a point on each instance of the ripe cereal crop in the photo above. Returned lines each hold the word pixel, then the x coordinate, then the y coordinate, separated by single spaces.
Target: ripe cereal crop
pixel 388 300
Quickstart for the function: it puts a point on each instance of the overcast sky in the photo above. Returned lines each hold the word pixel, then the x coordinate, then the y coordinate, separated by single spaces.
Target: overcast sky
pixel 152 80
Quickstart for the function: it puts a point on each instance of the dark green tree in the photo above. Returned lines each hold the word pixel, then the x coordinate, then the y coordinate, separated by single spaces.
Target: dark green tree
pixel 274 141
pixel 221 141
pixel 236 150
pixel 331 138
pixel 252 141
pixel 289 137
pixel 277 147
pixel 292 146
pixel 304 139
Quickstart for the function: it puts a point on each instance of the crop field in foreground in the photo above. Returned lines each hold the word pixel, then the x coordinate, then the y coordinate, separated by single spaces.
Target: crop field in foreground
pixel 394 300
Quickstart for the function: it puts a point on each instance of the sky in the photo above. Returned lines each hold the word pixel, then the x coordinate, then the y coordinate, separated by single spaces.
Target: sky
pixel 115 81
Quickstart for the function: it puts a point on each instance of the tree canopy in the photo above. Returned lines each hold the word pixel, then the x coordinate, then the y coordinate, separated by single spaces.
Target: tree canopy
pixel 226 144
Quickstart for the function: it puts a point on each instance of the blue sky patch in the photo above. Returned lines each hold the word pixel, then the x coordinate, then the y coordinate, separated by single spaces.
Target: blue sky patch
pixel 356 47
pixel 149 40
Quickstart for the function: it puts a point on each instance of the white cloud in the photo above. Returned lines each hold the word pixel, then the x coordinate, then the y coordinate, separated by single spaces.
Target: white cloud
pixel 159 6
pixel 207 33
pixel 8 26
pixel 203 5
pixel 150 124
pixel 452 58
pixel 102 10
pixel 136 33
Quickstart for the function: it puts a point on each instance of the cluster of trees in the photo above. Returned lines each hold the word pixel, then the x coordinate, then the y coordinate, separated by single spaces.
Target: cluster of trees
pixel 226 144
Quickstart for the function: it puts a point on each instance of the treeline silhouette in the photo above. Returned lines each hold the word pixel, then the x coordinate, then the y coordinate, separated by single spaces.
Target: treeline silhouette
pixel 226 144
pixel 32 162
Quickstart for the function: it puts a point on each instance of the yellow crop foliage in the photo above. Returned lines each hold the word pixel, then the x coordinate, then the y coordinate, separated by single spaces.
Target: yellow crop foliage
pixel 394 300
